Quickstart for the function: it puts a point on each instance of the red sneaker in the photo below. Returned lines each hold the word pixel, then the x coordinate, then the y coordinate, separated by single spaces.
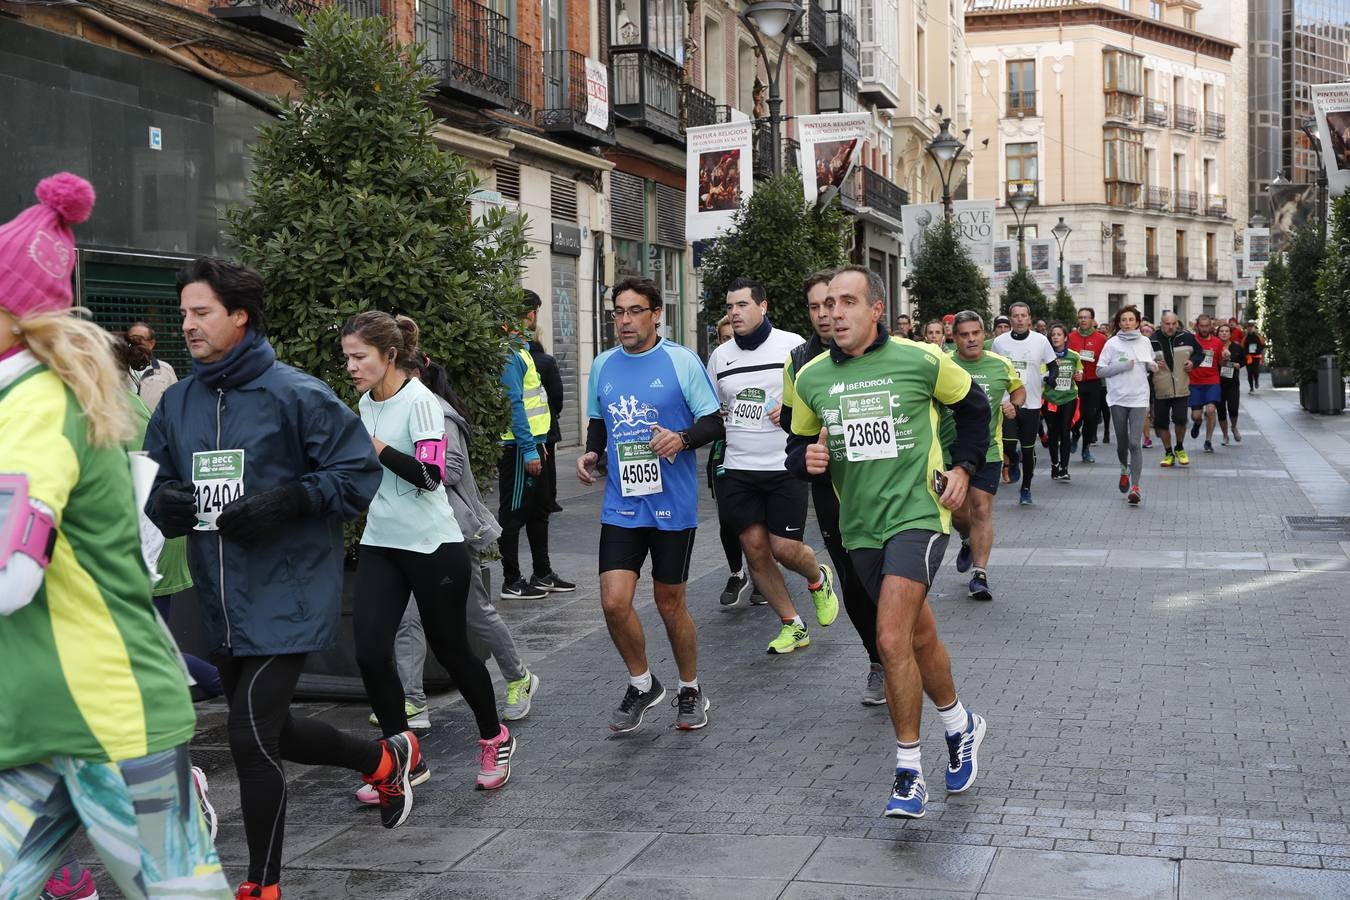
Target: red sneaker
pixel 250 891
pixel 1135 497
pixel 70 884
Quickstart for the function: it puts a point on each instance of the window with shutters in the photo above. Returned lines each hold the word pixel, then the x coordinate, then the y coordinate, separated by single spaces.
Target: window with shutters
pixel 508 179
pixel 649 240
pixel 563 199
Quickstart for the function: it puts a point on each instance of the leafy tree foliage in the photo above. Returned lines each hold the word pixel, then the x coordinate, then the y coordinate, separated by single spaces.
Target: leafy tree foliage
pixel 943 276
pixel 1065 310
pixel 779 241
pixel 353 208
pixel 1306 336
pixel 1333 282
pixel 1022 288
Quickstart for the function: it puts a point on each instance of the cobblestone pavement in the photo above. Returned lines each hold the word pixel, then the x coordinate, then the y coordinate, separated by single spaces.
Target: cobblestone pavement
pixel 1162 686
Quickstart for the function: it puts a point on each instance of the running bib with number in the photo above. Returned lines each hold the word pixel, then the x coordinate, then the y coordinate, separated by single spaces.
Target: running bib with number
pixel 869 430
pixel 1063 382
pixel 1021 366
pixel 749 409
pixel 1251 348
pixel 1087 355
pixel 1228 371
pixel 639 470
pixel 218 480
pixel 1208 361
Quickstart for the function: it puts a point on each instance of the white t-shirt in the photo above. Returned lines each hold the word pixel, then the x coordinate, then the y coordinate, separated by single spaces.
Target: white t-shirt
pixel 749 386
pixel 401 516
pixel 1028 356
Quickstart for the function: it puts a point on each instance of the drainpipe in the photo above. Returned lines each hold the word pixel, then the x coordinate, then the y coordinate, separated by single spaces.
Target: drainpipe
pixel 132 36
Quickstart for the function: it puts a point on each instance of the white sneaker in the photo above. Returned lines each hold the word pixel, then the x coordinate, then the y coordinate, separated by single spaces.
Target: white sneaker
pixel 208 811
pixel 418 717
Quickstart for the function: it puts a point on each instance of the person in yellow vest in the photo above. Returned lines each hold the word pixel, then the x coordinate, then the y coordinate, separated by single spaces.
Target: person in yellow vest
pixel 522 477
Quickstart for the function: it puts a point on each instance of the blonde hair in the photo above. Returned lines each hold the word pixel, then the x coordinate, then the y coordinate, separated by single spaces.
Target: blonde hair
pixel 80 353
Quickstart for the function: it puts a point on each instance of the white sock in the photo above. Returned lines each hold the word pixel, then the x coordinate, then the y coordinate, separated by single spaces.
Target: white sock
pixel 642 682
pixel 689 684
pixel 907 757
pixel 797 620
pixel 954 717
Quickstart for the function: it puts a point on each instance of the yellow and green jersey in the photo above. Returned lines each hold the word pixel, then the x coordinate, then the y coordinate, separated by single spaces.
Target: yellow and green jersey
pixel 996 375
pixel 1065 389
pixel 883 434
pixel 91 674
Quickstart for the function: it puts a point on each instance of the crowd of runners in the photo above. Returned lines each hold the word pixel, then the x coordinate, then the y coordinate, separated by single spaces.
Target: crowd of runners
pixel 121 479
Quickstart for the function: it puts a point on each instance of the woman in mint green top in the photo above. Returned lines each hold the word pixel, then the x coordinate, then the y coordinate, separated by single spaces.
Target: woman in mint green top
pixel 412 543
pixel 1061 401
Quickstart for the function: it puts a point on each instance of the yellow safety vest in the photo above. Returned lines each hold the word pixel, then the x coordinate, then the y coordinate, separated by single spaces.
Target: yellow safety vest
pixel 536 402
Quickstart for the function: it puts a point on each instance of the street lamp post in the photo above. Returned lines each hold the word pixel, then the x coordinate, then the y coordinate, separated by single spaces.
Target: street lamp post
pixel 1309 129
pixel 1061 231
pixel 1020 201
pixel 766 19
pixel 945 150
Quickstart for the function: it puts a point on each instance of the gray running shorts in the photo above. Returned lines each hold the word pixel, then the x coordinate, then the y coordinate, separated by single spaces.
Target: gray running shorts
pixel 915 555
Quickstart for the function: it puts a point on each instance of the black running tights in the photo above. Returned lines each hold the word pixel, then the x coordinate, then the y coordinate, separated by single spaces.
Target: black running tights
pixel 262 733
pixel 861 608
pixel 1028 432
pixel 440 582
pixel 1058 424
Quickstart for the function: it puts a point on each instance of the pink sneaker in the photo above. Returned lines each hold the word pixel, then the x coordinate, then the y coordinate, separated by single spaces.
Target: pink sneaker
pixel 495 765
pixel 65 885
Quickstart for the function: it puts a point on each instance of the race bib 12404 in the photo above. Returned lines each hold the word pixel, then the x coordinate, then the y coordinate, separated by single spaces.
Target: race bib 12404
pixel 218 479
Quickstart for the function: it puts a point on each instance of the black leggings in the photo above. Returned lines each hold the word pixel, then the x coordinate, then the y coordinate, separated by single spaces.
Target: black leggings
pixel 1028 430
pixel 861 608
pixel 731 546
pixel 1059 423
pixel 440 582
pixel 1230 395
pixel 1091 400
pixel 262 732
pixel 1253 374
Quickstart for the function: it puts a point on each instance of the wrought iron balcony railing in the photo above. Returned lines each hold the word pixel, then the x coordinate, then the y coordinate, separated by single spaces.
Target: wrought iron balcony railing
pixel 841 45
pixel 1155 113
pixel 1151 265
pixel 565 102
pixel 1183 117
pixel 472 54
pixel 1215 205
pixel 1211 270
pixel 1156 197
pixel 1214 124
pixel 1185 201
pixel 280 18
pixel 645 92
pixel 700 108
pixel 1021 103
pixel 1118 263
pixel 1183 267
pixel 811 32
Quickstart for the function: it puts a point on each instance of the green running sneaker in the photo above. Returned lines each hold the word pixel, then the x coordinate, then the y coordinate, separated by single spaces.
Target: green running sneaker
pixel 1182 458
pixel 789 638
pixel 418 718
pixel 519 693
pixel 827 604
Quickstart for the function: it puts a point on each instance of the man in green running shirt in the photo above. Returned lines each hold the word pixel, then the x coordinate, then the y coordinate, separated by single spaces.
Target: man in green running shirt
pixel 866 415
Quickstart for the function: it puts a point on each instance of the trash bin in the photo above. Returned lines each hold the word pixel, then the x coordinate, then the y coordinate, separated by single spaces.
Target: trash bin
pixel 1330 386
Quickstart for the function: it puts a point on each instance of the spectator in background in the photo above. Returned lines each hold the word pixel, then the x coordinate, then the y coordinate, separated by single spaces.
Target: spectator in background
pixel 156 377
pixel 553 389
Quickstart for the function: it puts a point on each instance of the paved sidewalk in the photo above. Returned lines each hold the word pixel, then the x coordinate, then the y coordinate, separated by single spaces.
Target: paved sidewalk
pixel 1164 688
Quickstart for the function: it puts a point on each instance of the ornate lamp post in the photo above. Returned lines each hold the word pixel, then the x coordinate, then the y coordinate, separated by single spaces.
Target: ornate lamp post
pixel 1020 201
pixel 766 20
pixel 1309 129
pixel 945 150
pixel 1061 232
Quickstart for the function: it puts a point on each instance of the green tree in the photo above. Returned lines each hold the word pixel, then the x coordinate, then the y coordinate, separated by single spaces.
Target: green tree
pixel 1333 282
pixel 944 278
pixel 354 208
pixel 1271 290
pixel 1065 310
pixel 779 241
pixel 1022 288
pixel 1306 336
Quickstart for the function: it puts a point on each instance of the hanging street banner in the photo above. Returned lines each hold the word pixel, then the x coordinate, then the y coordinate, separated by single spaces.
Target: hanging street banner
pixel 1243 279
pixel 597 94
pixel 1075 277
pixel 1256 250
pixel 718 177
pixel 1005 264
pixel 1041 262
pixel 831 145
pixel 1331 103
pixel 975 219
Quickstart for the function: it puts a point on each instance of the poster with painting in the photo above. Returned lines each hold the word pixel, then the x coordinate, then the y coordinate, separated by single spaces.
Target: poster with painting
pixel 830 148
pixel 719 177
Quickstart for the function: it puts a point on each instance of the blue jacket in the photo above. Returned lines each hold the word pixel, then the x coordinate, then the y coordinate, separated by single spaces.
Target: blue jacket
pixel 283 595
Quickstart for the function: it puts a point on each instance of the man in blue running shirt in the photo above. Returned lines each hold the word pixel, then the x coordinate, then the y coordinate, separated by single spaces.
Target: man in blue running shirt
pixel 650 404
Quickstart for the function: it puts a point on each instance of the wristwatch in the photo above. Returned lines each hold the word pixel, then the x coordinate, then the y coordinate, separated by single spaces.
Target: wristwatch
pixel 968 466
pixel 684 436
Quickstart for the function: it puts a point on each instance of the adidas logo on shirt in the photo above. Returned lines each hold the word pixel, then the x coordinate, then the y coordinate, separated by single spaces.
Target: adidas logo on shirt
pixel 656 384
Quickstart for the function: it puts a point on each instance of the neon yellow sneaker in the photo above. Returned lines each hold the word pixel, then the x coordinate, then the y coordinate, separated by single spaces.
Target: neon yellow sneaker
pixel 1182 458
pixel 789 638
pixel 1169 459
pixel 827 604
pixel 519 693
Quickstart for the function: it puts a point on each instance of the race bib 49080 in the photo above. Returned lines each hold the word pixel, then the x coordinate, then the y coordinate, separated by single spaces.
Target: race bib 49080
pixel 749 409
pixel 218 479
pixel 869 430
pixel 639 470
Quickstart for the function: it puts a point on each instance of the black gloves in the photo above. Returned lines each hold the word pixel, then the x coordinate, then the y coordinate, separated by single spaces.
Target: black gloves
pixel 174 509
pixel 254 516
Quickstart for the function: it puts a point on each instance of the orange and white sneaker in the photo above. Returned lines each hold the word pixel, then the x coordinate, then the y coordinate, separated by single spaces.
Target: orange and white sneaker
pixel 250 891
pixel 395 787
pixel 494 766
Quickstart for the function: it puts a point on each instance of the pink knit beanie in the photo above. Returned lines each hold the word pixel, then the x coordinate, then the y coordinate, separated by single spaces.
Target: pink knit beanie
pixel 37 250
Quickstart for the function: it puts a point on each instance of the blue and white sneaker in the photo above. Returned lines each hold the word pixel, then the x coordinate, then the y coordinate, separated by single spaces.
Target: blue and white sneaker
pixel 1024 497
pixel 964 750
pixel 908 796
pixel 963 557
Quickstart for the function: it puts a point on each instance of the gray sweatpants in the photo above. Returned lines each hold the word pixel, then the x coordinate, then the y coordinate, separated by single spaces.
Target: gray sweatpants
pixel 1128 422
pixel 488 634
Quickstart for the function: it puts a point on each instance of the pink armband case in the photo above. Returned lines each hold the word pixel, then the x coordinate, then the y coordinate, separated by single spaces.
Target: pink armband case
pixel 23 529
pixel 432 453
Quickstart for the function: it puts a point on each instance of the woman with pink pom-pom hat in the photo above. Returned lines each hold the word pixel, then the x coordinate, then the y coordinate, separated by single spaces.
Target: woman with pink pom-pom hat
pixel 97 716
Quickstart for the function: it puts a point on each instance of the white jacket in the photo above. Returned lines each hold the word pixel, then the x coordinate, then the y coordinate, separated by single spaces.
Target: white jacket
pixel 1126 385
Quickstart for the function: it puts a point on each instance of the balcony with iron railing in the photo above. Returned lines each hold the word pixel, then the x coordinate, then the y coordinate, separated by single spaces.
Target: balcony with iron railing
pixel 1155 113
pixel 564 108
pixel 1156 197
pixel 762 144
pixel 1183 118
pixel 1183 267
pixel 1211 270
pixel 810 34
pixel 1118 268
pixel 280 18
pixel 1214 124
pixel 1185 201
pixel 472 55
pixel 700 108
pixel 1020 104
pixel 1214 205
pixel 872 191
pixel 1151 266
pixel 841 45
pixel 645 93
pixel 792 155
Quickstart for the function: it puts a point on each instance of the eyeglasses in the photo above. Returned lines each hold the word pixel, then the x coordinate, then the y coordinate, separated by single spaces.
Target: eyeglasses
pixel 630 312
